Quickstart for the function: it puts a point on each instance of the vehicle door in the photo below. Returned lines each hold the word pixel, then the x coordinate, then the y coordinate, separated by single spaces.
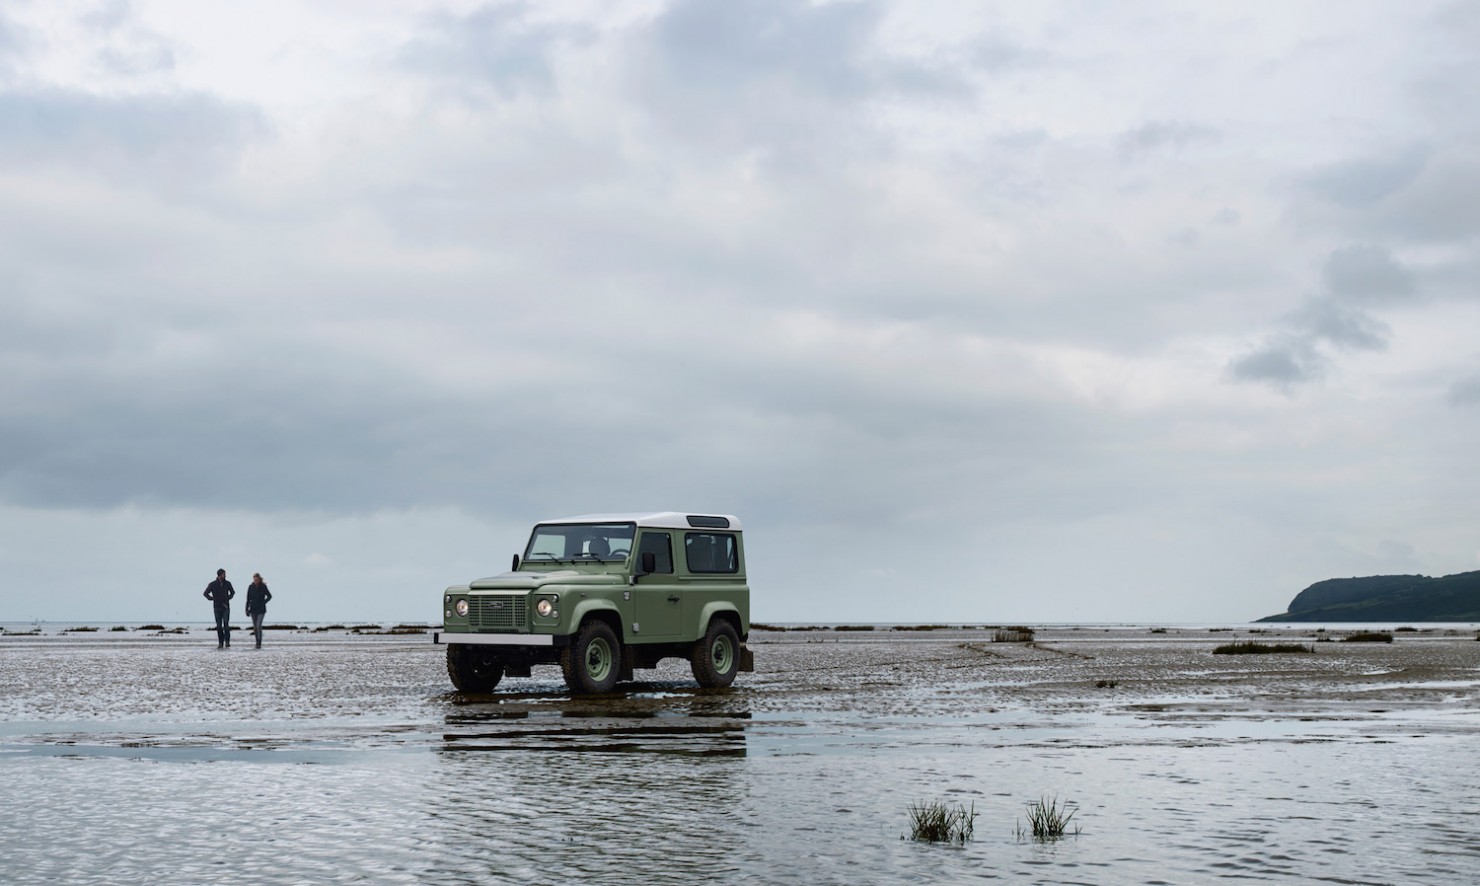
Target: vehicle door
pixel 656 594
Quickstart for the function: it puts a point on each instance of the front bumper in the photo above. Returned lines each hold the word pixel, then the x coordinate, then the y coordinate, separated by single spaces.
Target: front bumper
pixel 462 638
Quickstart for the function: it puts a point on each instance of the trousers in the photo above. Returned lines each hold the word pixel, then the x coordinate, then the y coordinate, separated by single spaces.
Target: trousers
pixel 223 626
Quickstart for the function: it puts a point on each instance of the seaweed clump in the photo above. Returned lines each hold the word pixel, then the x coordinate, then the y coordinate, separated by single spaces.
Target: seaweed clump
pixel 1254 647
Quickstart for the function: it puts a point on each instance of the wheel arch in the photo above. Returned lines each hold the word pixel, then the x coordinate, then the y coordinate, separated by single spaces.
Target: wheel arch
pixel 601 610
pixel 727 611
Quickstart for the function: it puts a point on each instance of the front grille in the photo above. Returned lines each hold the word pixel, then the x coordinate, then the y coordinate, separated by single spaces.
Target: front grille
pixel 499 612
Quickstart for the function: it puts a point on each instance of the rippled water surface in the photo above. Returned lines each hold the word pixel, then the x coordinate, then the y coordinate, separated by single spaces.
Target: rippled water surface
pixel 127 757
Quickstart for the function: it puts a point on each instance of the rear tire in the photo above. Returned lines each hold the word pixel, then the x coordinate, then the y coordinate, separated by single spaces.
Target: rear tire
pixel 474 669
pixel 716 658
pixel 592 662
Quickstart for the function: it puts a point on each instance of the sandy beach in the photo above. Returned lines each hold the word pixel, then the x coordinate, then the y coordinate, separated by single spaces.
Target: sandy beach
pixel 134 756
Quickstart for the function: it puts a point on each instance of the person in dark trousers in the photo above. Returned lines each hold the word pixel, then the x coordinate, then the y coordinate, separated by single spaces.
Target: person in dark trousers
pixel 257 597
pixel 220 592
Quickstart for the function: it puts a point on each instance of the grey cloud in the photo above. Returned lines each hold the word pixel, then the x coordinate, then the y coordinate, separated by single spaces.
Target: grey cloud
pixel 1163 135
pixel 1449 85
pixel 1227 217
pixel 1414 196
pixel 1465 392
pixel 1326 319
pixel 109 15
pixel 131 49
pixel 1439 206
pixel 998 56
pixel 1365 273
pixel 262 418
pixel 13 44
pixel 496 45
pixel 146 58
pixel 1293 357
pixel 1360 274
pixel 165 136
pixel 823 49
pixel 1284 361
pixel 1363 182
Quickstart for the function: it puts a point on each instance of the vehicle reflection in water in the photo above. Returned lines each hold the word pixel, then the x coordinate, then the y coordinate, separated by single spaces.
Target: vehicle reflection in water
pixel 652 779
pixel 667 722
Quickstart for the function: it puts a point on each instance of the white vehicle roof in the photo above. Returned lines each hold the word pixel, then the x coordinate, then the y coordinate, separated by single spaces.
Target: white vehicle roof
pixel 659 519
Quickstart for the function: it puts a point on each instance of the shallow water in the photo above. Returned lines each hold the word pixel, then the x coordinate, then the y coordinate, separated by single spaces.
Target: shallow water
pixel 129 758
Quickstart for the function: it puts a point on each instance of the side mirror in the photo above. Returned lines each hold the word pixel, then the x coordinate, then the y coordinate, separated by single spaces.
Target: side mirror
pixel 515 567
pixel 649 562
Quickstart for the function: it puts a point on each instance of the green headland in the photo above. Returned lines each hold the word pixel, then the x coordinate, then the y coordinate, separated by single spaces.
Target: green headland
pixel 1388 598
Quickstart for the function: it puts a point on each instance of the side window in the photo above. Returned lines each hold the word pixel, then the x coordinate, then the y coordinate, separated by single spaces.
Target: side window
pixel 710 552
pixel 660 545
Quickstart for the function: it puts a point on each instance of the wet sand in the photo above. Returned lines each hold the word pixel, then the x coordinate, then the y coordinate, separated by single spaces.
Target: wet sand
pixel 132 757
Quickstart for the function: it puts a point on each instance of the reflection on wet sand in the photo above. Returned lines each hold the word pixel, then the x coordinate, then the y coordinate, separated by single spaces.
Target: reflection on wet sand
pixel 622 723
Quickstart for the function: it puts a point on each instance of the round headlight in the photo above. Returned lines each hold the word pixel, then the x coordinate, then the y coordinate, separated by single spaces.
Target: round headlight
pixel 461 608
pixel 544 608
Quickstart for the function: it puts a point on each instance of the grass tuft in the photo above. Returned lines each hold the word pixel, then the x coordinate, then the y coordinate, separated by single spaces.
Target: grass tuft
pixel 940 822
pixel 1048 820
pixel 1368 637
pixel 1252 647
pixel 1013 634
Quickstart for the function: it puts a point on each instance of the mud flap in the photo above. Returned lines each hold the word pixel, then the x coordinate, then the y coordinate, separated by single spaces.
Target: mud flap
pixel 747 659
pixel 629 661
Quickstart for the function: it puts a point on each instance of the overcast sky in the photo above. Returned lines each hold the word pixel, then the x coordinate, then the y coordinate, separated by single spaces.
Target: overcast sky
pixel 972 312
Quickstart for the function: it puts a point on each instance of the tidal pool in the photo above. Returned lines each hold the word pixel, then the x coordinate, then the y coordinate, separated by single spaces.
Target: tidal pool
pixel 332 757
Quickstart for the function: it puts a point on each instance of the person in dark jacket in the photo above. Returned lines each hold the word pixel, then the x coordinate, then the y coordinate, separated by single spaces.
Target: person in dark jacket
pixel 257 597
pixel 220 592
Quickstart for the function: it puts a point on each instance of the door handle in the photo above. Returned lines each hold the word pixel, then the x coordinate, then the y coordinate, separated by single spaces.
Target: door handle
pixel 672 599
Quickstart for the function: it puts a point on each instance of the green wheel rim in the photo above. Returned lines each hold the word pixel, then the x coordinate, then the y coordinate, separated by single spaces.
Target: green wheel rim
pixel 722 655
pixel 598 660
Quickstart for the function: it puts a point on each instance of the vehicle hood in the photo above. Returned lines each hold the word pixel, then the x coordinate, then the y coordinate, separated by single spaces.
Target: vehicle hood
pixel 528 581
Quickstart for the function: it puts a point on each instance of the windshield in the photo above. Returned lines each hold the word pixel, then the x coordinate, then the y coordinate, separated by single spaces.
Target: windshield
pixel 607 542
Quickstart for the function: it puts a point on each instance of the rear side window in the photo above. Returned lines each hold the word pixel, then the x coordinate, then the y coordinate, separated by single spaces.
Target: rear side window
pixel 660 545
pixel 711 552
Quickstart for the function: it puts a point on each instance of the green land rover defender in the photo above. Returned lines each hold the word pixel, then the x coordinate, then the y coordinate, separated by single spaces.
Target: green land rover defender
pixel 602 595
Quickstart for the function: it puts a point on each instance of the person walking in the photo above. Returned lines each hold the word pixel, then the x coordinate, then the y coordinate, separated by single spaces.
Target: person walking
pixel 257 597
pixel 220 592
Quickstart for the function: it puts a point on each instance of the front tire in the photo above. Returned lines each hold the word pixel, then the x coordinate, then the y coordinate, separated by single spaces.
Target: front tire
pixel 716 658
pixel 474 668
pixel 592 662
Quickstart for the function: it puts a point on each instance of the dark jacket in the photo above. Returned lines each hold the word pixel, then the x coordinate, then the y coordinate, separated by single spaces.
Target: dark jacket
pixel 220 593
pixel 257 597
